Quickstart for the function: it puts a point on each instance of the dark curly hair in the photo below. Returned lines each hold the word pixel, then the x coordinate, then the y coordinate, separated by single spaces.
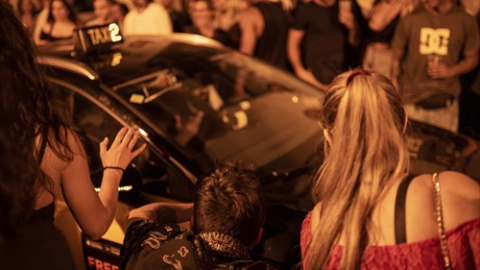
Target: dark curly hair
pixel 72 16
pixel 29 119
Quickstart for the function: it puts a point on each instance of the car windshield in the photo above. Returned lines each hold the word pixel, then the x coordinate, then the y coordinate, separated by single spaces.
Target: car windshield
pixel 227 106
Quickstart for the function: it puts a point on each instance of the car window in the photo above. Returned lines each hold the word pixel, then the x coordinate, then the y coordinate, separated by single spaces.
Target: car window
pixel 219 109
pixel 93 123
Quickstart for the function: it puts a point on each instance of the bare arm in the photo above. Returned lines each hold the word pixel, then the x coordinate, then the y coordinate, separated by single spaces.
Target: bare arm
pixel 383 13
pixel 468 63
pixel 397 58
pixel 348 20
pixel 295 37
pixel 41 21
pixel 162 213
pixel 250 22
pixel 95 212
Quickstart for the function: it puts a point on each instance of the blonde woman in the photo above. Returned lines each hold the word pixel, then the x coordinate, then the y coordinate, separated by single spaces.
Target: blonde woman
pixel 356 223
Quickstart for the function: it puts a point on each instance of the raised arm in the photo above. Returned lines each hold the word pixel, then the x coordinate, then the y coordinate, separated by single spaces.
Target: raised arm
pixel 95 212
pixel 383 14
pixel 348 20
pixel 396 67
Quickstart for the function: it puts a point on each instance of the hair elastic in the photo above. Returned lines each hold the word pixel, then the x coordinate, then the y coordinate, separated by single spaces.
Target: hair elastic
pixel 355 72
pixel 114 168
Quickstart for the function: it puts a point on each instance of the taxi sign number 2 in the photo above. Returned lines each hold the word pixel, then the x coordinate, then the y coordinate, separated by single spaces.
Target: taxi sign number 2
pixel 108 33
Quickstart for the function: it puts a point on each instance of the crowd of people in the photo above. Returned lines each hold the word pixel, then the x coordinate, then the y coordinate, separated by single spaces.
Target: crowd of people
pixel 428 49
pixel 366 213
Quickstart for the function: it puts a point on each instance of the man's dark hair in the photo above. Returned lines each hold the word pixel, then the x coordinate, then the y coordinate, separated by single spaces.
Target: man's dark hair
pixel 209 3
pixel 122 6
pixel 230 201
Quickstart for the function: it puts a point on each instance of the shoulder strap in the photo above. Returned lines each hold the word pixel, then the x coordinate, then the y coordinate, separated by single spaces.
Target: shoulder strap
pixel 439 215
pixel 400 228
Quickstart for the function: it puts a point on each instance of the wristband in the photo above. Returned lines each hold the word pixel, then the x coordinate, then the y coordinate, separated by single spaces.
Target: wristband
pixel 114 168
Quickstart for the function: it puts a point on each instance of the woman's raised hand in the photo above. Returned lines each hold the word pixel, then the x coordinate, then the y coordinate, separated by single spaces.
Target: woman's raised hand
pixel 121 152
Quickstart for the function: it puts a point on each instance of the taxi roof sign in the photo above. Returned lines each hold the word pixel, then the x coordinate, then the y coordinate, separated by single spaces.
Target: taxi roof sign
pixel 98 37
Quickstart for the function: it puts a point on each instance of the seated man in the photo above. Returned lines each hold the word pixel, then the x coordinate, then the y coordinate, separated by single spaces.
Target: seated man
pixel 227 217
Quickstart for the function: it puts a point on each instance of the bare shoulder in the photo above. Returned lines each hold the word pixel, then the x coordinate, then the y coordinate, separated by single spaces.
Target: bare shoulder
pixel 459 184
pixel 65 142
pixel 460 196
pixel 250 15
pixel 74 142
pixel 46 27
pixel 61 150
pixel 451 182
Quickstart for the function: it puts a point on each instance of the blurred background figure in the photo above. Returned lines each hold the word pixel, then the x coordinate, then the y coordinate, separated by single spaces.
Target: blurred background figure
pixel 472 7
pixel 263 31
pixel 202 22
pixel 382 20
pixel 61 22
pixel 226 13
pixel 147 18
pixel 320 38
pixel 367 213
pixel 119 11
pixel 433 46
pixel 178 19
pixel 27 12
pixel 41 19
pixel 103 10
pixel 470 96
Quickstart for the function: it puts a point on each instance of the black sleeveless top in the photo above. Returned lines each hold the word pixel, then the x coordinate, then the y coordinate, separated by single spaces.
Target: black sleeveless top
pixel 37 244
pixel 48 36
pixel 272 45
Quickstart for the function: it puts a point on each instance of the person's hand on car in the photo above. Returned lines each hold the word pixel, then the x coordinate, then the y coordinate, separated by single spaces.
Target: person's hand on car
pixel 121 152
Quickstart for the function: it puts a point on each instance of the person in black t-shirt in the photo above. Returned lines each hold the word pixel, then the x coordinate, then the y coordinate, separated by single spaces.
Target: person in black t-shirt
pixel 319 39
pixel 263 32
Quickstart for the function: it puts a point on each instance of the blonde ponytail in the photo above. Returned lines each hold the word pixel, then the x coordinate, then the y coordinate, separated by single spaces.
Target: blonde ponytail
pixel 364 117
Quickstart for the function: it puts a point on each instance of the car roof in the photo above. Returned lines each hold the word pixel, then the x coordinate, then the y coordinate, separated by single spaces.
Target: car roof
pixel 135 57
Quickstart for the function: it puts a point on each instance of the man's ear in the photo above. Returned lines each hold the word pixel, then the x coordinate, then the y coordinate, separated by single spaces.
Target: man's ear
pixel 259 236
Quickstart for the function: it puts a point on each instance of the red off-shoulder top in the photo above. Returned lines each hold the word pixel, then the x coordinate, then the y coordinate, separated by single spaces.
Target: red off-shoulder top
pixel 463 243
